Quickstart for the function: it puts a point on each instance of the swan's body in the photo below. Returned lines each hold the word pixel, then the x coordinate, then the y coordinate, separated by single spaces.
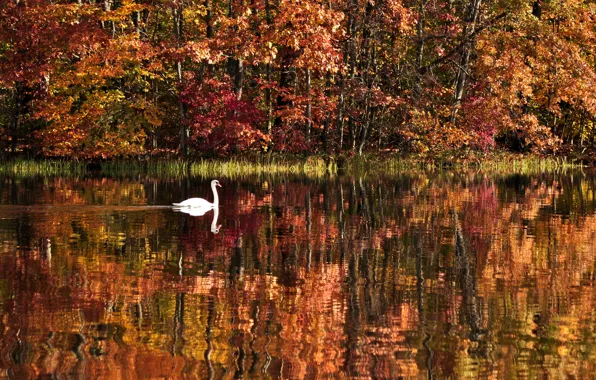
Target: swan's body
pixel 193 211
pixel 200 203
pixel 195 203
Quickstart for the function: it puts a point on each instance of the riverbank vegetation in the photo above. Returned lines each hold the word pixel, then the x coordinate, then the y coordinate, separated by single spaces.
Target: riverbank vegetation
pixel 118 79
pixel 311 166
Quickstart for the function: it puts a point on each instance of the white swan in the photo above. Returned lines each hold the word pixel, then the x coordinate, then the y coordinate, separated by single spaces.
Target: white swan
pixel 200 203
pixel 193 211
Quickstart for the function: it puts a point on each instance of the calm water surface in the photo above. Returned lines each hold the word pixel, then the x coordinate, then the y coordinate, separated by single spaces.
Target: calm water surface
pixel 442 276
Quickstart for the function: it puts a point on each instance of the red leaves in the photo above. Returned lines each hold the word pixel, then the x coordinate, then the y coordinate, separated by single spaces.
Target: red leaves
pixel 219 121
pixel 100 80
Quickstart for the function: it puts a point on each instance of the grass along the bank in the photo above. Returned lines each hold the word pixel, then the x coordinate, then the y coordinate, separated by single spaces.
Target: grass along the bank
pixel 231 168
pixel 496 164
pixel 43 168
pixel 135 168
pixel 510 163
pixel 313 167
pixel 240 167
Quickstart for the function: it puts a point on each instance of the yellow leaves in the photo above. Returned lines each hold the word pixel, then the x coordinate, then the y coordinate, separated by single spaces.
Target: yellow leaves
pixel 102 123
pixel 67 13
pixel 272 50
pixel 123 12
pixel 194 14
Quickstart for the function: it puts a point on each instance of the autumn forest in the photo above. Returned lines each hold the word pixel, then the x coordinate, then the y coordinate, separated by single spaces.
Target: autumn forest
pixel 91 79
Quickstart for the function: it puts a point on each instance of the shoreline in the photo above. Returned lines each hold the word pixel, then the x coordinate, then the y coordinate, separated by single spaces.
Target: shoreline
pixel 280 164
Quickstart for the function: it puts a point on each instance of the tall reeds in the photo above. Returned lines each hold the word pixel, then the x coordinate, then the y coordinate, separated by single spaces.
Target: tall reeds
pixel 528 165
pixel 312 167
pixel 242 167
pixel 42 168
pixel 155 169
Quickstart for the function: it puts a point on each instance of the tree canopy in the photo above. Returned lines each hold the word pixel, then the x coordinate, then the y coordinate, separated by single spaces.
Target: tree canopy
pixel 125 78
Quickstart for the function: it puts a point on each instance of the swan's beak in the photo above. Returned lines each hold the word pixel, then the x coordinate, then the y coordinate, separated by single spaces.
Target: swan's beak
pixel 217 184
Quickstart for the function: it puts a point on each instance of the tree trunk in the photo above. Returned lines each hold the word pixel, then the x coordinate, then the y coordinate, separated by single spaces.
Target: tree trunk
pixel 350 55
pixel 268 101
pixel 419 47
pixel 370 118
pixel 340 116
pixel 368 68
pixel 208 17
pixel 236 71
pixel 137 22
pixel 327 121
pixel 308 112
pixel 107 4
pixel 16 117
pixel 286 79
pixel 464 64
pixel 351 129
pixel 184 132
pixel 235 65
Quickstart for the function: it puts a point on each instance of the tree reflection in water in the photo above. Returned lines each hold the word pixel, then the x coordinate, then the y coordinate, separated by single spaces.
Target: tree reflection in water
pixel 453 275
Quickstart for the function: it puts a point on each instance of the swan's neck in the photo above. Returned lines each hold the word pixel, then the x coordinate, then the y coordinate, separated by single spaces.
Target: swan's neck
pixel 215 196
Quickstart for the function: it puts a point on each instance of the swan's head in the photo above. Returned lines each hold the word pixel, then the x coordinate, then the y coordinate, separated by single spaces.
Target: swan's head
pixel 215 183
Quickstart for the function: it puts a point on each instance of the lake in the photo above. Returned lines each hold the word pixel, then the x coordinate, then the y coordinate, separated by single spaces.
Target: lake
pixel 419 276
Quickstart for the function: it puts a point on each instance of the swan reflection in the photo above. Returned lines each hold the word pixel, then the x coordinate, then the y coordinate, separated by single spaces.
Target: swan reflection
pixel 194 211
